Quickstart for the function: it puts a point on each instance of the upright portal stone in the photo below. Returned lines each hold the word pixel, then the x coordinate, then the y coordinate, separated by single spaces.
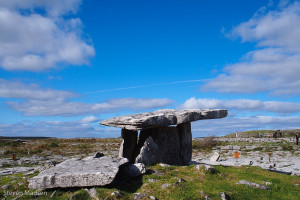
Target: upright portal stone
pixel 164 147
pixel 171 145
pixel 185 140
pixel 129 144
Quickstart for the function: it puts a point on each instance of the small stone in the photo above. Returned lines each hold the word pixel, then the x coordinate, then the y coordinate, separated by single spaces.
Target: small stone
pixel 224 196
pixel 215 157
pixel 266 183
pixel 151 180
pixel 181 180
pixel 138 196
pixel 117 194
pixel 253 185
pixel 156 172
pixel 165 185
pixel 153 197
pixel 209 168
pixel 98 155
pixel 206 197
pixel 198 167
pixel 134 170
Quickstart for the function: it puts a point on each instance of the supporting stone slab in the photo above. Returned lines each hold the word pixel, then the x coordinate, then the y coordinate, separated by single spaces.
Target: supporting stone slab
pixel 162 144
pixel 185 140
pixel 129 144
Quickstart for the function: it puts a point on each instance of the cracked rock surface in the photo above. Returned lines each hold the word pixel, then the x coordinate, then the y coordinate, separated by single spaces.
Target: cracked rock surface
pixel 163 118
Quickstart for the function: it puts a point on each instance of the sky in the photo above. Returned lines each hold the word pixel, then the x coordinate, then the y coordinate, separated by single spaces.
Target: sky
pixel 65 65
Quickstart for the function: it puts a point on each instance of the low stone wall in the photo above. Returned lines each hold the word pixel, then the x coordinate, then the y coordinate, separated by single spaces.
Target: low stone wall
pixel 252 140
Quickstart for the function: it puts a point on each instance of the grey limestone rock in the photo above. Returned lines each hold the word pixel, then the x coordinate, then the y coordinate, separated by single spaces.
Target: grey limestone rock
pixel 253 185
pixel 98 155
pixel 153 197
pixel 185 141
pixel 215 157
pixel 224 196
pixel 117 194
pixel 79 173
pixel 129 144
pixel 163 147
pixel 209 168
pixel 163 118
pixel 138 196
pixel 151 180
pixel 134 170
pixel 147 153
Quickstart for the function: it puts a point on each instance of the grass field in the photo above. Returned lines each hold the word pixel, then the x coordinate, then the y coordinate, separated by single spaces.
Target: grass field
pixel 198 182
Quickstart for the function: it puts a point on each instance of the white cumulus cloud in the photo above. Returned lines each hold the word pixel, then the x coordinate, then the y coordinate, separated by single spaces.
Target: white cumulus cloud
pixel 32 100
pixel 279 107
pixel 274 66
pixel 70 108
pixel 17 89
pixel 35 42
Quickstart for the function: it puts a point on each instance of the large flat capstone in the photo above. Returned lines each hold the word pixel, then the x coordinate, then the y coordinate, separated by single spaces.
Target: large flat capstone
pixel 163 118
pixel 90 171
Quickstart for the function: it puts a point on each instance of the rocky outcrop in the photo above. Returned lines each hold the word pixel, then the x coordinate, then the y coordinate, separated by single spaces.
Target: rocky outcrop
pixel 90 171
pixel 163 118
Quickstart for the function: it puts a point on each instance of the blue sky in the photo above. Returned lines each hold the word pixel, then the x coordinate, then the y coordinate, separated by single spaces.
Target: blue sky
pixel 65 65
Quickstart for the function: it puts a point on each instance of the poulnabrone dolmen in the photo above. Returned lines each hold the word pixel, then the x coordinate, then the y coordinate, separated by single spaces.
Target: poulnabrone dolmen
pixel 165 135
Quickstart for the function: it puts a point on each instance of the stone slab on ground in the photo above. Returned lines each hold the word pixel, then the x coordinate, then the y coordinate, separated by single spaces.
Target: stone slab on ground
pixel 14 170
pixel 253 185
pixel 86 172
pixel 163 118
